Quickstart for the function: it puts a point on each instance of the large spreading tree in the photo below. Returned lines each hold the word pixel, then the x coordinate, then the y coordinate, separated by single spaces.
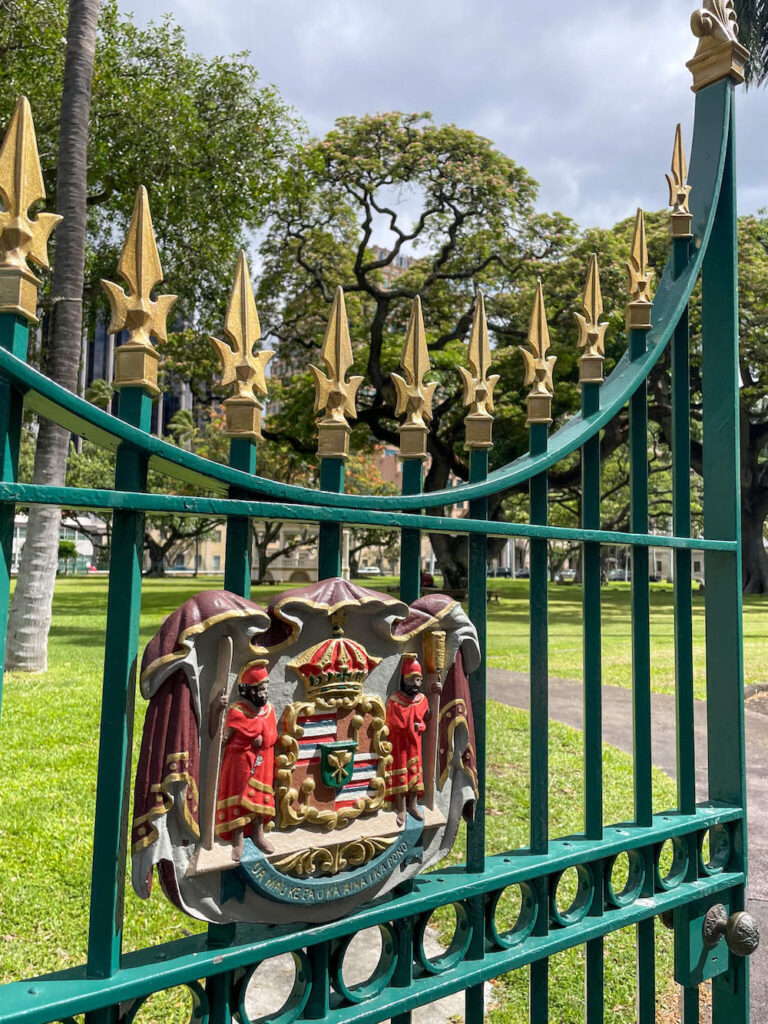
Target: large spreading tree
pixel 464 213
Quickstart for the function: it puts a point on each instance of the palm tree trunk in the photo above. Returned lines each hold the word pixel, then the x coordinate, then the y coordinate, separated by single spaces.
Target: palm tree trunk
pixel 30 616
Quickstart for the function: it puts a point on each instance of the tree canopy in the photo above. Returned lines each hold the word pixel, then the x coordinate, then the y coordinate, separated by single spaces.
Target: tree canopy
pixel 208 139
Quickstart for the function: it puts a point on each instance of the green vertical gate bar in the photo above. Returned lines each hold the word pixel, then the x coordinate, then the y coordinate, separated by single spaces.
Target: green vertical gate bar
pixel 478 613
pixel 237 558
pixel 593 695
pixel 410 540
pixel 14 337
pixel 237 579
pixel 641 671
pixel 328 564
pixel 410 588
pixel 117 707
pixel 329 539
pixel 681 515
pixel 539 723
pixel 722 519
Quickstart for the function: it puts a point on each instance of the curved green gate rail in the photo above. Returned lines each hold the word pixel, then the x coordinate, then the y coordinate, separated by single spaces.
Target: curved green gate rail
pixel 110 986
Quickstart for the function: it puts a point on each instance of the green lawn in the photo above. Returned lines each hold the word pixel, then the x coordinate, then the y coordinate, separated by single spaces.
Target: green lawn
pixel 48 748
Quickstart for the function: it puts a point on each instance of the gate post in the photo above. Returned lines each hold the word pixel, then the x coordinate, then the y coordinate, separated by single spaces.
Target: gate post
pixel 722 521
pixel 136 379
pixel 21 239
pixel 478 394
pixel 539 367
pixel 591 339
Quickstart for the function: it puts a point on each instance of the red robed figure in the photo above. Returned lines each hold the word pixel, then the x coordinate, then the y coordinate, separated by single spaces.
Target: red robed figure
pixel 405 720
pixel 246 785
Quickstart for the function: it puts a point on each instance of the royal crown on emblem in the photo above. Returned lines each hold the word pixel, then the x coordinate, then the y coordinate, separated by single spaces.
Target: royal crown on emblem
pixel 334 668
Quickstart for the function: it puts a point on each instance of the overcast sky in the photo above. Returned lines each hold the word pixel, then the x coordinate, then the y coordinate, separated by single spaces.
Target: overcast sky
pixel 585 95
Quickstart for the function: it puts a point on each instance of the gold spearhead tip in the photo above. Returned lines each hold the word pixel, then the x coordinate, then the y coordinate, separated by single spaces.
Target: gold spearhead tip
pixel 139 266
pixel 591 329
pixel 640 305
pixel 538 365
pixel 333 392
pixel 637 266
pixel 414 397
pixel 679 190
pixel 719 53
pixel 478 385
pixel 241 363
pixel 22 238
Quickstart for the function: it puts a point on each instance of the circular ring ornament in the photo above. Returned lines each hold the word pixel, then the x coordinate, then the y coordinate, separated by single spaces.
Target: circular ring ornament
pixel 633 885
pixel 294 1005
pixel 582 901
pixel 525 922
pixel 719 849
pixel 200 1008
pixel 381 976
pixel 457 949
pixel 678 868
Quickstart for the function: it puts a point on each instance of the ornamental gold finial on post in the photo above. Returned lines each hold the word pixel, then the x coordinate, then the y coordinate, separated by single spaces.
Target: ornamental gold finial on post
pixel 414 397
pixel 478 386
pixel 135 311
pixel 591 329
pixel 680 217
pixel 538 365
pixel 22 237
pixel 241 365
pixel 640 305
pixel 719 53
pixel 333 393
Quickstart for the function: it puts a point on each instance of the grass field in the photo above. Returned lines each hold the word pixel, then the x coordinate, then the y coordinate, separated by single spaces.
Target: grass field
pixel 48 748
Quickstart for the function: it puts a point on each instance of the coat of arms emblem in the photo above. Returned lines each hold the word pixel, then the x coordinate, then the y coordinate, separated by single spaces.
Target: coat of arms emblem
pixel 301 760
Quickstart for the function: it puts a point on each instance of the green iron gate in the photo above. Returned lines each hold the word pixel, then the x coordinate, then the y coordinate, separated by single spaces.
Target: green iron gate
pixel 111 985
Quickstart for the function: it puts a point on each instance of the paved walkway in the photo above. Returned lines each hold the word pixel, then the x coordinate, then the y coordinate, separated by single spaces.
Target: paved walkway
pixel 565 705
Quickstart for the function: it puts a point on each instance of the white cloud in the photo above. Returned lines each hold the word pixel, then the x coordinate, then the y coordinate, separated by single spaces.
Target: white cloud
pixel 585 96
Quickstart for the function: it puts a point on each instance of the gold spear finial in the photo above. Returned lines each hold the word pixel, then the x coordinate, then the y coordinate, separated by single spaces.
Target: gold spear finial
pixel 538 365
pixel 680 217
pixel 241 364
pixel 333 393
pixel 478 386
pixel 414 397
pixel 640 304
pixel 591 329
pixel 134 310
pixel 719 53
pixel 22 237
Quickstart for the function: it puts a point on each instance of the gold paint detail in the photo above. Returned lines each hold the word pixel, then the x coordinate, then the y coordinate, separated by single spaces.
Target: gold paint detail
pixel 241 364
pixel 294 807
pixel 719 53
pixel 640 274
pixel 679 190
pixel 330 860
pixel 414 397
pixel 334 394
pixel 22 238
pixel 134 310
pixel 538 365
pixel 478 386
pixel 338 763
pixel 434 650
pixel 591 328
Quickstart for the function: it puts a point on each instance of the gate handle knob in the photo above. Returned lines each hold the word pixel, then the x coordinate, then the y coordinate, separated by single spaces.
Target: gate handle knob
pixel 741 932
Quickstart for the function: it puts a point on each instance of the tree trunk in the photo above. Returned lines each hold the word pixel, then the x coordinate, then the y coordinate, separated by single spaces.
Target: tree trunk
pixel 754 561
pixel 30 616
